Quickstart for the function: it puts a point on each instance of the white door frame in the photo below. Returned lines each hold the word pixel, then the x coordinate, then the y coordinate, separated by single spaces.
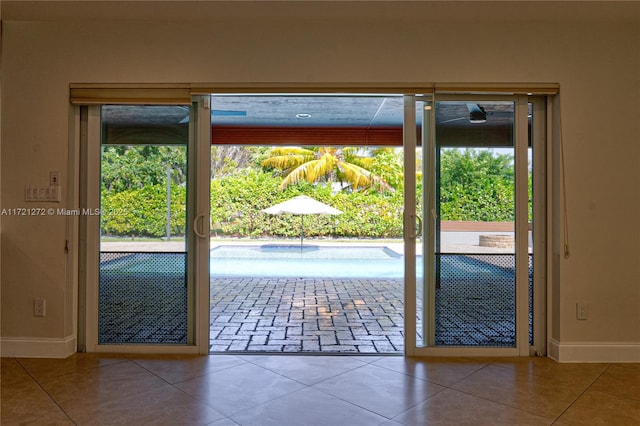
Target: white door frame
pixel 200 144
pixel 411 222
pixel 197 225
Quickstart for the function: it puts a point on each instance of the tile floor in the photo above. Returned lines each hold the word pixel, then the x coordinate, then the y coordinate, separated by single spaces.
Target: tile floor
pixel 297 390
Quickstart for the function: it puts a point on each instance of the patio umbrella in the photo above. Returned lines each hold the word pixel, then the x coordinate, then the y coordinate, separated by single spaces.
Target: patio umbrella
pixel 302 205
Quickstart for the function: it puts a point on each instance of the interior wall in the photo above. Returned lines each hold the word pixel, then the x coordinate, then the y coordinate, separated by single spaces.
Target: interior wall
pixel 598 72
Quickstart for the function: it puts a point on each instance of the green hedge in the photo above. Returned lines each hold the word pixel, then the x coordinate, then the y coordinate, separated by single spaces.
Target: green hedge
pixel 237 202
pixel 143 212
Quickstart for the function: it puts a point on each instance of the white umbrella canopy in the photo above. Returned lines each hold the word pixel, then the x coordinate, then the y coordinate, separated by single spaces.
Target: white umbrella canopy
pixel 302 205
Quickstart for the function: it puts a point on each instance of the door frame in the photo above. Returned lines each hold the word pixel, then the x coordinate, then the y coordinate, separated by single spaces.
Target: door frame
pixel 197 225
pixel 428 224
pixel 88 242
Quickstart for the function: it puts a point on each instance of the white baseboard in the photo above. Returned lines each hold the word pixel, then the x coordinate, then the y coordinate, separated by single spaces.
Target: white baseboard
pixel 29 347
pixel 594 352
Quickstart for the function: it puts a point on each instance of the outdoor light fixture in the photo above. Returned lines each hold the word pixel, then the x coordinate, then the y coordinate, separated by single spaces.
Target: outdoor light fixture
pixel 477 114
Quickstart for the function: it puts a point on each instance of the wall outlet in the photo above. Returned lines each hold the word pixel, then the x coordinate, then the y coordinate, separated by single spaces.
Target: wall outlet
pixel 581 310
pixel 39 306
pixel 54 178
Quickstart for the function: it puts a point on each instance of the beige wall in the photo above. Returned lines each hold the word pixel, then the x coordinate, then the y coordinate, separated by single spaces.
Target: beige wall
pixel 595 60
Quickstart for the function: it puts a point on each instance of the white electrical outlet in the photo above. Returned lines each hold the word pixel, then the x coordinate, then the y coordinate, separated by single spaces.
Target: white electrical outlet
pixel 581 310
pixel 39 306
pixel 54 178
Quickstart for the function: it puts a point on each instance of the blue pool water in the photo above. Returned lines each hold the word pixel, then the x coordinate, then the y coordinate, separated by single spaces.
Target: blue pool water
pixel 310 261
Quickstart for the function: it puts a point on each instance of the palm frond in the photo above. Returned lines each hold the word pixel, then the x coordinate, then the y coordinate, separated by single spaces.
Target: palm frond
pixel 380 183
pixel 365 162
pixel 357 176
pixel 311 171
pixel 290 150
pixel 282 162
pixel 360 177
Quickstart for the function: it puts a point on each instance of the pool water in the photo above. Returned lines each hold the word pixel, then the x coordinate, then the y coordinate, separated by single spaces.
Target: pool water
pixel 310 261
pixel 306 261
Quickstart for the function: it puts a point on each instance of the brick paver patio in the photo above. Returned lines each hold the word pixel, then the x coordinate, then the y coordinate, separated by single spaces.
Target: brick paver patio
pixel 307 315
pixel 474 306
pixel 143 300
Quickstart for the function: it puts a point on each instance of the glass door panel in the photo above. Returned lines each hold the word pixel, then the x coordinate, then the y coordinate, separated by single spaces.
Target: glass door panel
pixel 466 291
pixel 304 279
pixel 475 281
pixel 144 290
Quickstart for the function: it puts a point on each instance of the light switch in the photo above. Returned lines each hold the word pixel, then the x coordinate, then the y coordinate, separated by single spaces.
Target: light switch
pixel 42 193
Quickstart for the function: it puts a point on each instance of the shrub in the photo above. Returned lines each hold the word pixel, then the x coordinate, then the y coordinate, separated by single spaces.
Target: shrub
pixel 237 202
pixel 143 212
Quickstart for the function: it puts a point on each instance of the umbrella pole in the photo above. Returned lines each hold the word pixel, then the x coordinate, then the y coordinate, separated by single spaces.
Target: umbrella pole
pixel 301 230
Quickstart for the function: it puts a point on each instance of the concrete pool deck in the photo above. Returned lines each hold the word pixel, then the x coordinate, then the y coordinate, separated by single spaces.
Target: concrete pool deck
pixel 452 242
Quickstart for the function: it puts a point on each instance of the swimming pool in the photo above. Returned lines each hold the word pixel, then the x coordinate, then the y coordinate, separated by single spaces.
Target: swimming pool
pixel 269 260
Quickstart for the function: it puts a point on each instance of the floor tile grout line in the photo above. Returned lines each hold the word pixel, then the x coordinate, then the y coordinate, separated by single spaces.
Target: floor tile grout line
pixel 444 388
pixel 246 362
pixel 120 361
pixel 204 402
pixel 312 386
pixel 582 393
pixel 352 403
pixel 305 384
pixel 449 387
pixel 520 409
pixel 406 374
pixel 540 376
pixel 40 385
pixel 427 380
pixel 191 378
pixel 269 400
pixel 153 373
pixel 133 361
pixel 501 403
pixel 472 373
pixel 314 389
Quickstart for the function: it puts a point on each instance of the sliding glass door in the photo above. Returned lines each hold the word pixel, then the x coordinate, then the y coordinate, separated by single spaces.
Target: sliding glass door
pixel 146 232
pixel 473 217
pixel 470 225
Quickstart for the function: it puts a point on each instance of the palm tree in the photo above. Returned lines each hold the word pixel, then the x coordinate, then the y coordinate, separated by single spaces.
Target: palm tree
pixel 329 164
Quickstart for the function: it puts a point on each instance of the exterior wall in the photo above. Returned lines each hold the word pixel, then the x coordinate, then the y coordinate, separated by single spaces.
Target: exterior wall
pixel 598 72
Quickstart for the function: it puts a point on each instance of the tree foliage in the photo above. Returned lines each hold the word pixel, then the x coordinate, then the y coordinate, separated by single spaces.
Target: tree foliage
pixel 143 212
pixel 237 202
pixel 136 166
pixel 134 189
pixel 324 164
pixel 476 185
pixel 226 159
